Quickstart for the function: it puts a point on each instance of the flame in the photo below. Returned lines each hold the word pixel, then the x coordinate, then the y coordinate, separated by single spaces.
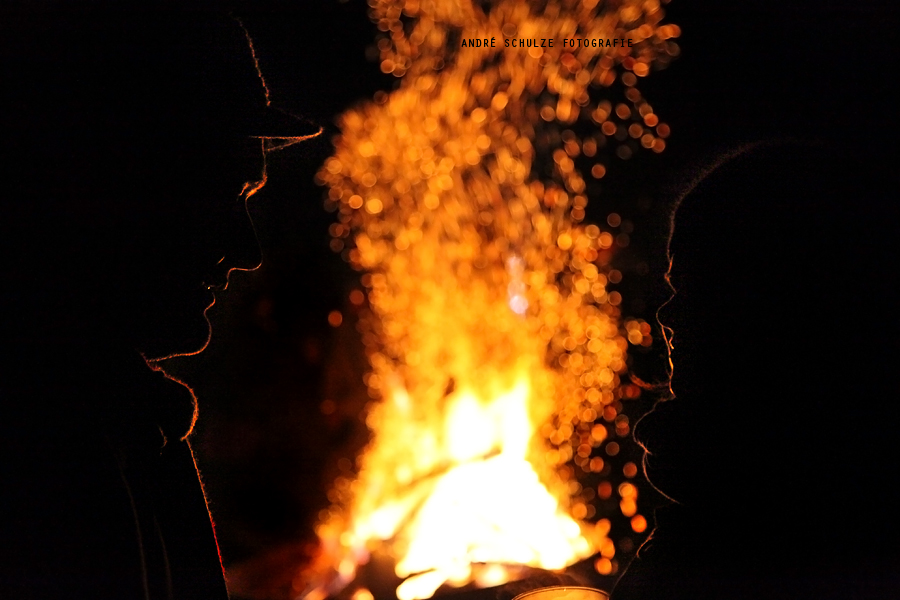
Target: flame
pixel 469 517
pixel 494 344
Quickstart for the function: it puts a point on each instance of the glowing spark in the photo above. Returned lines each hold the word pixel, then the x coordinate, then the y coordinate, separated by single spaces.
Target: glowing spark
pixel 516 289
pixel 493 341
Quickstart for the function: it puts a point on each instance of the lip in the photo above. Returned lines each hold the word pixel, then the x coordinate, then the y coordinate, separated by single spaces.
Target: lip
pixel 206 296
pixel 216 287
pixel 217 283
pixel 216 279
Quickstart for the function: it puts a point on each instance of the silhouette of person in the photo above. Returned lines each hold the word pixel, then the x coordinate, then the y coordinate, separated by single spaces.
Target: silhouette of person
pixel 131 141
pixel 778 446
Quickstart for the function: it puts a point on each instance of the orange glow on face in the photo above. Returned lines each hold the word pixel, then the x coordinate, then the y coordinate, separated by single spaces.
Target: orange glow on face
pixel 493 341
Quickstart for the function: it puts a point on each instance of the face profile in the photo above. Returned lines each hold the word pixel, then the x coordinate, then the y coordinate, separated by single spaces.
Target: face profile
pixel 207 234
pixel 134 141
pixel 134 204
pixel 779 401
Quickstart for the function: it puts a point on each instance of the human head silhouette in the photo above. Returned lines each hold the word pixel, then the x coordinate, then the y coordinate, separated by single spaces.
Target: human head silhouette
pixel 784 333
pixel 134 139
pixel 131 139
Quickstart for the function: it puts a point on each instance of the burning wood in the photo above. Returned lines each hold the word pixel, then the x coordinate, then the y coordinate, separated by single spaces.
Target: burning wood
pixel 493 340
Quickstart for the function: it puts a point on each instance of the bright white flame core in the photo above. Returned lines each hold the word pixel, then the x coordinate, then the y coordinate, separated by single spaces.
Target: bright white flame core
pixel 491 507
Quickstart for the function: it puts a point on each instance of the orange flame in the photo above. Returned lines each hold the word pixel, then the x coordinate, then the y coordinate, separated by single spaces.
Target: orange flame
pixel 493 341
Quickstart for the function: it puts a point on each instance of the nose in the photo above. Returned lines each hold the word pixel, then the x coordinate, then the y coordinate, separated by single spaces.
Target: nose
pixel 243 251
pixel 239 248
pixel 672 312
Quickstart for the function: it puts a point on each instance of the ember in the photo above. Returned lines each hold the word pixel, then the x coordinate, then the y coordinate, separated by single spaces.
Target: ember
pixel 493 342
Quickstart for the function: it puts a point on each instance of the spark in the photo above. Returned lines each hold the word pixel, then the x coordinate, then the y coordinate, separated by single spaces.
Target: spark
pixel 496 348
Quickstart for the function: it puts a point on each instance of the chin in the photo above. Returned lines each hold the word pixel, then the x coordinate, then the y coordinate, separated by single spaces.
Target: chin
pixel 159 349
pixel 178 336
